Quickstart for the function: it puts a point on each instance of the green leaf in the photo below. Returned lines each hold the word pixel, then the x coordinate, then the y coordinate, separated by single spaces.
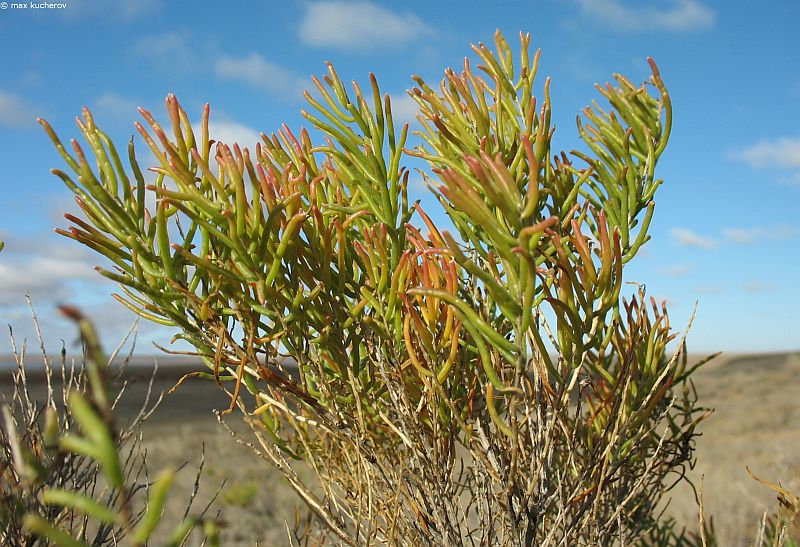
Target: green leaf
pixel 155 507
pixel 80 503
pixel 55 535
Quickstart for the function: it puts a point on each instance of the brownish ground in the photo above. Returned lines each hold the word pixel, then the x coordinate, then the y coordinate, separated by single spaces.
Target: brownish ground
pixel 756 424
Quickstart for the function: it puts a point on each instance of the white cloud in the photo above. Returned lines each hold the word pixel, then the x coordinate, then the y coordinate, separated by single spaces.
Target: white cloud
pixel 114 108
pixel 758 286
pixel 257 72
pixel 32 78
pixel 111 318
pixel 54 270
pixel 709 289
pixel 676 270
pixel 15 111
pixel 225 130
pixel 742 236
pixel 781 153
pixel 751 236
pixel 360 24
pixel 121 10
pixel 676 15
pixel 47 273
pixel 687 238
pixel 667 301
pixel 404 110
pixel 172 49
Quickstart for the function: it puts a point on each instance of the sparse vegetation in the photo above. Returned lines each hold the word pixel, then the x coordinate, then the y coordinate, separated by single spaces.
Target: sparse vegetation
pixel 70 476
pixel 240 493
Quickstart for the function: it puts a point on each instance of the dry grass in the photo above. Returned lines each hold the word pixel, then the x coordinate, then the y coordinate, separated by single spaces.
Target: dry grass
pixel 756 424
pixel 37 413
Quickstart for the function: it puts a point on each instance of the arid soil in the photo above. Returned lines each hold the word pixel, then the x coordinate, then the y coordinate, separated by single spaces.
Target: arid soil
pixel 756 423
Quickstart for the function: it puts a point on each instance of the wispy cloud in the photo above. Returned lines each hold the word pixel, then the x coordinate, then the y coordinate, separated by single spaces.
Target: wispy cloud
pixel 32 78
pixel 709 289
pixel 353 25
pixel 758 286
pixel 416 186
pixel 15 111
pixel 49 272
pixel 56 271
pixel 688 238
pixel 679 15
pixel 752 236
pixel 223 129
pixel 112 319
pixel 404 109
pixel 115 109
pixel 120 10
pixel 676 270
pixel 782 154
pixel 259 73
pixel 171 49
pixel 665 300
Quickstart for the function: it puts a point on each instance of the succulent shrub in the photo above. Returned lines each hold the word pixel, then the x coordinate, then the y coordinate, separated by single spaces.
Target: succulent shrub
pixel 489 384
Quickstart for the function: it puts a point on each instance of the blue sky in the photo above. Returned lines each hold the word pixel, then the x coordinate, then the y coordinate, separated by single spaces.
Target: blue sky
pixel 727 224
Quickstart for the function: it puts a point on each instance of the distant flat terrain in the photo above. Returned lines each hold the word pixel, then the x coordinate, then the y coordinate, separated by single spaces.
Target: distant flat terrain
pixel 756 424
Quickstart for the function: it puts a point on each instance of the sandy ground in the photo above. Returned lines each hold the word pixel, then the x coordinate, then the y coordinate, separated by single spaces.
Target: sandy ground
pixel 756 424
pixel 254 500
